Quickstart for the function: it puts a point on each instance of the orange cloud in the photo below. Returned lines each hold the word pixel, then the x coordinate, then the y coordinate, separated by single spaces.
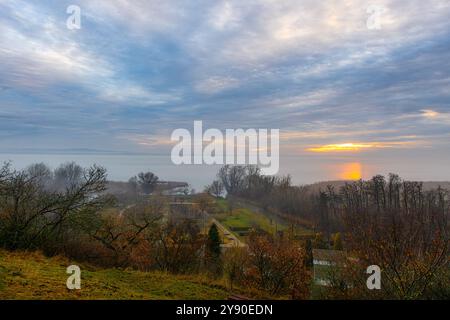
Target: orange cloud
pixel 427 113
pixel 354 147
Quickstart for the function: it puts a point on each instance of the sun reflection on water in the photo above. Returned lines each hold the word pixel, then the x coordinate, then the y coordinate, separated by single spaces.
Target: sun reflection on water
pixel 350 171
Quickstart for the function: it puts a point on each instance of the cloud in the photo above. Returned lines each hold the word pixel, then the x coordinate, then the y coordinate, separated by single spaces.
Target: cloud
pixel 216 84
pixel 37 60
pixel 309 68
pixel 146 140
pixel 359 146
pixel 435 116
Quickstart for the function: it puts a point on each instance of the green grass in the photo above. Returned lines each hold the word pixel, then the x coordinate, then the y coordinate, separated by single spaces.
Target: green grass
pixel 222 205
pixel 252 218
pixel 245 218
pixel 26 275
pixel 248 216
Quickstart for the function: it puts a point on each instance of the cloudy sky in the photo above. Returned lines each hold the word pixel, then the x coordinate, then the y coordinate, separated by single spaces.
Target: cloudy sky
pixel 365 83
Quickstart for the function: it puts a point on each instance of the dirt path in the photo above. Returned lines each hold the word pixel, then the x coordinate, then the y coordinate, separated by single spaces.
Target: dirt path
pixel 234 240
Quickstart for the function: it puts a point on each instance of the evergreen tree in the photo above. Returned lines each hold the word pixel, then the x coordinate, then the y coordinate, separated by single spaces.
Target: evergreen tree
pixel 213 259
pixel 213 242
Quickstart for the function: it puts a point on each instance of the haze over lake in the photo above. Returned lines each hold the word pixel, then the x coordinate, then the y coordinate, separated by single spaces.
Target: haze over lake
pixel 303 169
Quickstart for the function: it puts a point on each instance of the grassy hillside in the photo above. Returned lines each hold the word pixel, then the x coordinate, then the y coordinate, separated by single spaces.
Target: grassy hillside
pixel 247 215
pixel 33 276
pixel 245 218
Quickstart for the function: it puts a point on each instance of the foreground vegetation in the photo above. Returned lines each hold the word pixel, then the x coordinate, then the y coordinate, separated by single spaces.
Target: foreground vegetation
pixel 159 246
pixel 31 275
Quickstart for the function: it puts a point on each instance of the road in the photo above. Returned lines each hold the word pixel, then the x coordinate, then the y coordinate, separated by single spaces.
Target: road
pixel 233 240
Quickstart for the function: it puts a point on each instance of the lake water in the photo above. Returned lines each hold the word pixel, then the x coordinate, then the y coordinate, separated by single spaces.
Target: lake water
pixel 122 167
pixel 302 169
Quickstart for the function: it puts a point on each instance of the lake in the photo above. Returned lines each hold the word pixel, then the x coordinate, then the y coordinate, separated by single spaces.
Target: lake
pixel 302 169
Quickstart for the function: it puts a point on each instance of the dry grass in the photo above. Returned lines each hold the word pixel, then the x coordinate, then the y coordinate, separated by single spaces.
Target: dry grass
pixel 30 275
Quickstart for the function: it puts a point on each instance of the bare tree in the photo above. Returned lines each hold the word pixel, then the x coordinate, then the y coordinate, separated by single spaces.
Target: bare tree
pixel 120 234
pixel 68 175
pixel 147 181
pixel 179 246
pixel 401 228
pixel 42 173
pixel 134 185
pixel 33 217
pixel 278 266
pixel 232 178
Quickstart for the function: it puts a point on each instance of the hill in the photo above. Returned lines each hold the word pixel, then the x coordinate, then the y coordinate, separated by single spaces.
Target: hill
pixel 30 275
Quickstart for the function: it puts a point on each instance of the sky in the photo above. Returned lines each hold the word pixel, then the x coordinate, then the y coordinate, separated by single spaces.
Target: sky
pixel 343 91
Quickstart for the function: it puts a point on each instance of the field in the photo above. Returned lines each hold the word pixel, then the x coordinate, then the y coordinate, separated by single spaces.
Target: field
pixel 247 216
pixel 30 275
pixel 244 218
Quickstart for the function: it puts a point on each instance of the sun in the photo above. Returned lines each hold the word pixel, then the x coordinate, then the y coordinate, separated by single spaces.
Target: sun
pixel 351 171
